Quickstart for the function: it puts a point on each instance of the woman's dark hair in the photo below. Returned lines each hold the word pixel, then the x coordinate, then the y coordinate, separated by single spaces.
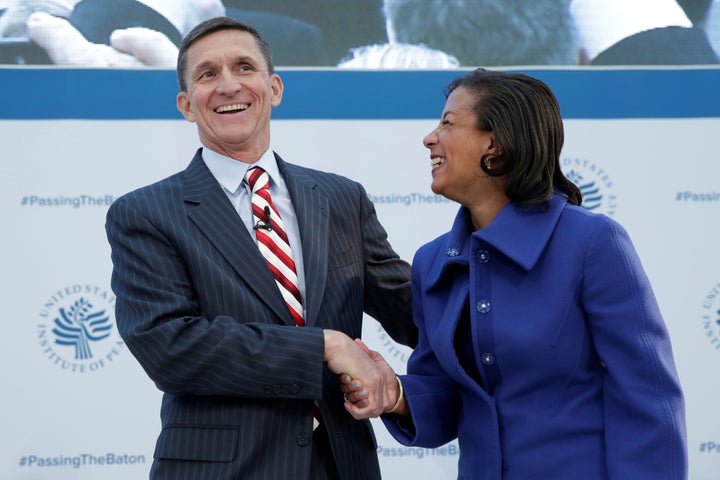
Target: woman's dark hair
pixel 524 117
pixel 214 25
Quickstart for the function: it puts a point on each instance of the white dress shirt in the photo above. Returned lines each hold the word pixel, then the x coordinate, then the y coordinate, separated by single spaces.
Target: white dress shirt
pixel 230 174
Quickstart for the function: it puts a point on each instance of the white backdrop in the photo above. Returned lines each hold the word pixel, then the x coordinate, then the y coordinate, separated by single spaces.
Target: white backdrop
pixel 70 148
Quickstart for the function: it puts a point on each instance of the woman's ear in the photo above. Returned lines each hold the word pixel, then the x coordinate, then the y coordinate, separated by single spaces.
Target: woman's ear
pixel 495 148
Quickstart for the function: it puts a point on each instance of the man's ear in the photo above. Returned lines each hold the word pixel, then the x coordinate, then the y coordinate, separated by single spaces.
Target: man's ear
pixel 183 105
pixel 277 89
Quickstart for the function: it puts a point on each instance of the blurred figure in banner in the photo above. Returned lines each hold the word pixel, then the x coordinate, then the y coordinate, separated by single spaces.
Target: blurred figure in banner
pixel 343 25
pixel 643 32
pixel 712 25
pixel 131 33
pixel 398 55
pixel 542 348
pixel 487 32
pixel 241 282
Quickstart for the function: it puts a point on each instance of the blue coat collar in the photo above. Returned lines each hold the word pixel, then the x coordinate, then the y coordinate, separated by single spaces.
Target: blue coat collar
pixel 519 233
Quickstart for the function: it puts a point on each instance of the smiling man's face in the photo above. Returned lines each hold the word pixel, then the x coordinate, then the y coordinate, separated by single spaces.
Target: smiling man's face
pixel 230 94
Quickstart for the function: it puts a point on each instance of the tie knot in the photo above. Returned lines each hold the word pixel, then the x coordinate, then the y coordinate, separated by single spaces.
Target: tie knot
pixel 257 178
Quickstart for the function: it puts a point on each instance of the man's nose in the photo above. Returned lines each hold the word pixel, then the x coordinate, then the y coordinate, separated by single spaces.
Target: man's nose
pixel 228 84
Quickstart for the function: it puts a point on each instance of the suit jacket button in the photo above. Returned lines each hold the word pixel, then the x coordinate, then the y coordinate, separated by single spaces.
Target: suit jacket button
pixel 294 388
pixel 303 439
pixel 268 389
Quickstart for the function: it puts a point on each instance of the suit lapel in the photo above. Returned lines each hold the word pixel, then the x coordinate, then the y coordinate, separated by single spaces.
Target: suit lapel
pixel 210 210
pixel 311 209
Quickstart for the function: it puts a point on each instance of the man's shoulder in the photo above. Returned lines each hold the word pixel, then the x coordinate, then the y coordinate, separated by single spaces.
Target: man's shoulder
pixel 164 187
pixel 171 184
pixel 303 169
pixel 322 177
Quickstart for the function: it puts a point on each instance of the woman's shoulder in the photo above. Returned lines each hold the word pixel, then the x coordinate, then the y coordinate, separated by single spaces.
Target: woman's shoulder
pixel 429 250
pixel 579 215
pixel 586 227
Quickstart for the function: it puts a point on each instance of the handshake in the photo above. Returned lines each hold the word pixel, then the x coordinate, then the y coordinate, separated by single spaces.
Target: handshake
pixel 369 385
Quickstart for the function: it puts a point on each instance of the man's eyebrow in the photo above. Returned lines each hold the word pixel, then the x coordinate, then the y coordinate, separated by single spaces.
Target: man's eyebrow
pixel 242 59
pixel 202 65
pixel 247 59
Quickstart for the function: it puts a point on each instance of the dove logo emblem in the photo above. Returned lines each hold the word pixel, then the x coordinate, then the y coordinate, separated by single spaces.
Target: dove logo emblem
pixel 594 184
pixel 77 330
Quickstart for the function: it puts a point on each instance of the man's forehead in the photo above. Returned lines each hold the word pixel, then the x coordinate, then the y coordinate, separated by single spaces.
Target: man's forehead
pixel 218 45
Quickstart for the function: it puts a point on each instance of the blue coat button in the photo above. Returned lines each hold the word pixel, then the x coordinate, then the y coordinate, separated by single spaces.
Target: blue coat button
pixel 488 359
pixel 483 306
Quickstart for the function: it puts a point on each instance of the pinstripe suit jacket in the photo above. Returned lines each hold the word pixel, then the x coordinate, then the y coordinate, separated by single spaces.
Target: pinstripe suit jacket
pixel 199 309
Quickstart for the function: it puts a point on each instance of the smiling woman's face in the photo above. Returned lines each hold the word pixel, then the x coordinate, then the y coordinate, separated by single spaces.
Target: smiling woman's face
pixel 456 146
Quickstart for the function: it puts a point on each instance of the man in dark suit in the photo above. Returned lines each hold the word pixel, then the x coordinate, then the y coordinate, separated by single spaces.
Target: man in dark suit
pixel 199 308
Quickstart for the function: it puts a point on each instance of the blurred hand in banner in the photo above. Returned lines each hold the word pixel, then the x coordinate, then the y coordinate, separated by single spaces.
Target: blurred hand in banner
pixel 113 33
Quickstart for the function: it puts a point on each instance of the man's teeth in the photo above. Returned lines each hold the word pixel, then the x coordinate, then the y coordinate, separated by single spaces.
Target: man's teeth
pixel 232 108
pixel 434 162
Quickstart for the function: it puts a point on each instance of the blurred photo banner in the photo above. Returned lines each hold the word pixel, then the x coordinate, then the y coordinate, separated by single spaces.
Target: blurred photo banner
pixel 642 144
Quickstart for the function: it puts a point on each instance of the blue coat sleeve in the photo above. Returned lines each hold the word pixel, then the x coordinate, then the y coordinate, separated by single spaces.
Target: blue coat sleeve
pixel 432 396
pixel 643 403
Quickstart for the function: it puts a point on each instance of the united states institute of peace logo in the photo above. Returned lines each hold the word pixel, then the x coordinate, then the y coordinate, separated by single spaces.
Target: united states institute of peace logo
pixel 77 328
pixel 594 183
pixel 711 316
pixel 392 351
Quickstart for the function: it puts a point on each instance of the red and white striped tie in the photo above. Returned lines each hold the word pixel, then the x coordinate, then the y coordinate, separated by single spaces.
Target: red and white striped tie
pixel 273 241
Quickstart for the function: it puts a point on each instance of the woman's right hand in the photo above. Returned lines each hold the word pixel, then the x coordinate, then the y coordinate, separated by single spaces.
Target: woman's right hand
pixel 355 393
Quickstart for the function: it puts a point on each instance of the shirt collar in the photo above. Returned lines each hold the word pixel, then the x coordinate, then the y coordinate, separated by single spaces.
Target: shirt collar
pixel 230 172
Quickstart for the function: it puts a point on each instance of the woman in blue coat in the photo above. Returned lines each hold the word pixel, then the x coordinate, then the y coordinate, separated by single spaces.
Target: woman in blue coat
pixel 542 348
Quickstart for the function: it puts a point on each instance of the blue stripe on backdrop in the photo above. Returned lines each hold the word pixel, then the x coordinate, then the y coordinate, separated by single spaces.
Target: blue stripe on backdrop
pixel 106 94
